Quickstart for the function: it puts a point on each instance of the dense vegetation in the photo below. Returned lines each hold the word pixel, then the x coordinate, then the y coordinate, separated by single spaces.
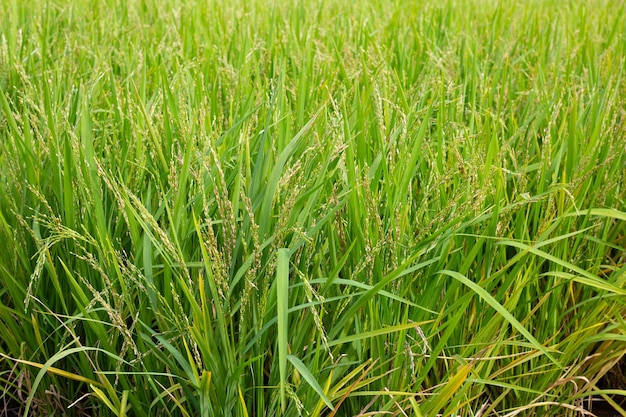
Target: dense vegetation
pixel 321 207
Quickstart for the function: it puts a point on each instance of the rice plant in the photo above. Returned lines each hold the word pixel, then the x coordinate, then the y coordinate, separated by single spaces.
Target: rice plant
pixel 319 208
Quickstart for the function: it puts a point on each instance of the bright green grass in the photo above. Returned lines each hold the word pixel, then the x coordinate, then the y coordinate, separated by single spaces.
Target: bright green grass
pixel 249 208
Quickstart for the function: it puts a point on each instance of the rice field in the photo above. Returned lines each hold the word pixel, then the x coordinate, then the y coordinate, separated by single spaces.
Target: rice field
pixel 318 208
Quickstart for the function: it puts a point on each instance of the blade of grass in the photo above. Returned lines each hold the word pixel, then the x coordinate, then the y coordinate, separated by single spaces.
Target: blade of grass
pixel 306 374
pixel 503 312
pixel 282 303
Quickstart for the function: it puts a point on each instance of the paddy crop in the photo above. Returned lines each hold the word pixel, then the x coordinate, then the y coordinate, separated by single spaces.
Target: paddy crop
pixel 319 208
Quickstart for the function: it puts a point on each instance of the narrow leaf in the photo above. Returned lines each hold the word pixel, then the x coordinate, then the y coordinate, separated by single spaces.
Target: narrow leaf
pixel 306 374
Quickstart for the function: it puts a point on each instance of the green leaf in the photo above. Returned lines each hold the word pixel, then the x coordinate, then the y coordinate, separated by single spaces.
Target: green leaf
pixel 282 293
pixel 306 374
pixel 503 312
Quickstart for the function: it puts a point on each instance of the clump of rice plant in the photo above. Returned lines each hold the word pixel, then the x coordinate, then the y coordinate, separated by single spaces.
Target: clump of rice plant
pixel 318 208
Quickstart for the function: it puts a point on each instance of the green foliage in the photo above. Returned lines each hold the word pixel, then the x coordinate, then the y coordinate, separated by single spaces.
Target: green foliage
pixel 315 208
